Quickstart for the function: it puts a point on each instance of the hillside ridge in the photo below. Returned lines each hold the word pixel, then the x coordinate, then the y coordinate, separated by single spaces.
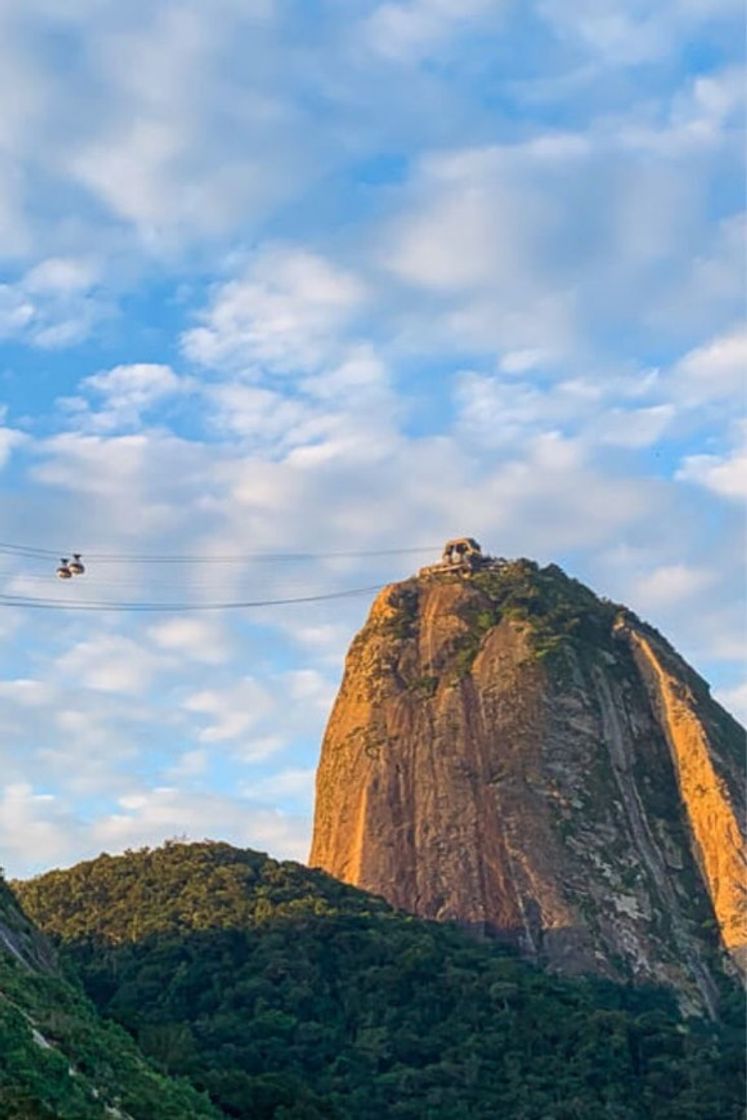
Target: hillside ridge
pixel 288 995
pixel 60 1060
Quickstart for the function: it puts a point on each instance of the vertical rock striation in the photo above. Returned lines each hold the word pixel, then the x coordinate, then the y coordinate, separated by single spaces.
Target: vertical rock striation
pixel 513 753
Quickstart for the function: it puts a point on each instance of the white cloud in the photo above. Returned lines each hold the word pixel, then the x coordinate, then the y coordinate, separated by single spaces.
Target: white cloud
pixel 707 293
pixel 259 415
pixel 180 150
pixel 260 715
pixel 622 34
pixel 135 386
pixel 126 392
pixel 190 764
pixel 633 427
pixel 671 584
pixel 10 438
pixel 725 475
pixel 283 314
pixel 522 361
pixel 16 311
pixel 551 242
pixel 467 225
pixel 197 639
pixel 310 688
pixel 39 830
pixel 632 32
pixel 255 749
pixel 233 711
pixel 155 815
pixel 61 276
pixel 26 691
pixel 413 30
pixel 499 412
pixel 53 305
pixel 111 663
pixel 286 785
pixel 35 830
pixel 716 370
pixel 130 487
pixel 735 701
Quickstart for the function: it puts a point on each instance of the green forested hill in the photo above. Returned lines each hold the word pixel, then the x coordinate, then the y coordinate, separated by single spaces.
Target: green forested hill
pixel 58 1059
pixel 289 996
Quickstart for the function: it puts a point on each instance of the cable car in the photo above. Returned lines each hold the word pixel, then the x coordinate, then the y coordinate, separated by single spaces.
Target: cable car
pixel 76 565
pixel 63 571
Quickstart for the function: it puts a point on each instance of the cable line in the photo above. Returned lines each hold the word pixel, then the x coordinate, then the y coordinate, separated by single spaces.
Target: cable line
pixel 21 601
pixel 31 552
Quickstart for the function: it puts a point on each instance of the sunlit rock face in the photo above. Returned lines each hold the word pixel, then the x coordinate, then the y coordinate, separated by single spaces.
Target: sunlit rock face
pixel 510 752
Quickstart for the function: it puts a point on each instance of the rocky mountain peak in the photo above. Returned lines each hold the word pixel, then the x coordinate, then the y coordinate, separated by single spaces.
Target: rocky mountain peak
pixel 512 752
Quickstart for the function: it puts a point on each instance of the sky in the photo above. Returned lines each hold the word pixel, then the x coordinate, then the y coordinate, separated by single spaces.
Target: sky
pixel 340 276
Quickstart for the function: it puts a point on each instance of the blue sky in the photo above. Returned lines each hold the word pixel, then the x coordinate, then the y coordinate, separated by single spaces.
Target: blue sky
pixel 344 277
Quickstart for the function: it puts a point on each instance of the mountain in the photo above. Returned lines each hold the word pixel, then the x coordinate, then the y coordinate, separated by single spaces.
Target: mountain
pixel 510 751
pixel 58 1059
pixel 290 996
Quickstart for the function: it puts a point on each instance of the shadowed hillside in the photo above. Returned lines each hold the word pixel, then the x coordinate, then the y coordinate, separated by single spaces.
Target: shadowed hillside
pixel 286 994
pixel 58 1059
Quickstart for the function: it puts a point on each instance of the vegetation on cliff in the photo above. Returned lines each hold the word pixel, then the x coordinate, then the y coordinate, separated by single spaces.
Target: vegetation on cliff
pixel 287 995
pixel 59 1060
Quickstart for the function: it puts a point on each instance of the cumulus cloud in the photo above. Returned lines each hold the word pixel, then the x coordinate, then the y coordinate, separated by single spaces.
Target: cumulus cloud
pixel 128 487
pixel 123 394
pixel 296 785
pixel 549 242
pixel 134 387
pixel 283 314
pixel 256 716
pixel 182 152
pixel 634 427
pixel 111 663
pixel 716 370
pixel 199 639
pixel 232 711
pixel 735 701
pixel 725 475
pixel 630 33
pixel 39 830
pixel 670 584
pixel 411 31
pixel 35 830
pixel 26 692
pixel 53 305
pixel 10 438
pixel 154 815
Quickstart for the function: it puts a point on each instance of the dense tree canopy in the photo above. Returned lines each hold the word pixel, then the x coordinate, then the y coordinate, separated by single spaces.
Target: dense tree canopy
pixel 287 995
pixel 58 1059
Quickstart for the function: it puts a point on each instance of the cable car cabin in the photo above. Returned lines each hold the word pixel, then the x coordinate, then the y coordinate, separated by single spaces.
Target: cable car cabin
pixel 76 565
pixel 63 570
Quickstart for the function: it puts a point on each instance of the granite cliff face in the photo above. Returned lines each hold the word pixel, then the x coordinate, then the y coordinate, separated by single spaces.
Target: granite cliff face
pixel 511 752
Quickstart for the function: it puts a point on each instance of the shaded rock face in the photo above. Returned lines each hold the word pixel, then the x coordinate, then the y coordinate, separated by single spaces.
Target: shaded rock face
pixel 20 939
pixel 510 752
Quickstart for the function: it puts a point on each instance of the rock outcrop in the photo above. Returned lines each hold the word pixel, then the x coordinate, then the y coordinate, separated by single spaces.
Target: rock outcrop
pixel 20 939
pixel 511 752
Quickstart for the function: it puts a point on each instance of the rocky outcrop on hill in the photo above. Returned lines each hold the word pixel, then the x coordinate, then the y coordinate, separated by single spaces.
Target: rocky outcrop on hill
pixel 19 939
pixel 509 751
pixel 58 1059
